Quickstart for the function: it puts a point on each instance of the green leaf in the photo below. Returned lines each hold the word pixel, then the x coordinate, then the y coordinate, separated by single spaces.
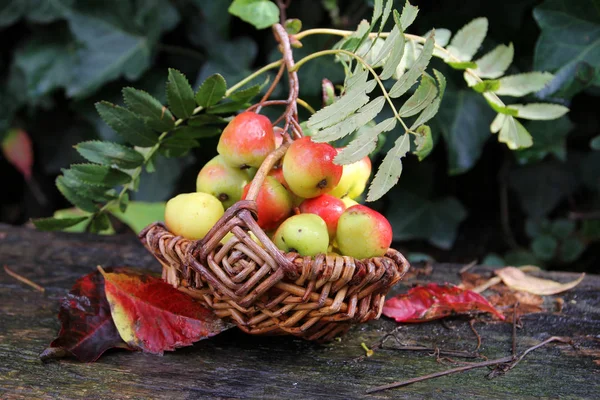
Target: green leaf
pixel 180 95
pixel 157 116
pixel 571 249
pixel 140 214
pixel 544 247
pixel 108 153
pixel 522 84
pixel 436 221
pixel 424 95
pixel 127 124
pixel 562 228
pixel 497 123
pixel 100 223
pixel 245 95
pixel 390 169
pixel 487 86
pixel 549 137
pixel 364 143
pixel 293 26
pixel 468 39
pixel 175 146
pixel 57 224
pixel 99 175
pixel 93 192
pixel 493 260
pixel 123 202
pixel 493 64
pixel 387 10
pixel 514 134
pixel 410 77
pixel 424 142
pixel 536 226
pixel 206 119
pixel 392 49
pixel 462 65
pixel 228 107
pixel 498 106
pixel 260 13
pixel 74 197
pixel 196 132
pixel 570 34
pixel 540 111
pixel 367 113
pixel 595 143
pixel 409 13
pixel 431 110
pixel 212 91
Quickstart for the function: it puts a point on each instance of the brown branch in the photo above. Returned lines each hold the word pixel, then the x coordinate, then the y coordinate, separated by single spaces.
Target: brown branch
pixel 266 104
pixel 23 279
pixel 472 325
pixel 271 88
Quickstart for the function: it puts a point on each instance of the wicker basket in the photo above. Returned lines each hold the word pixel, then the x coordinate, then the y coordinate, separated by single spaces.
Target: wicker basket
pixel 266 291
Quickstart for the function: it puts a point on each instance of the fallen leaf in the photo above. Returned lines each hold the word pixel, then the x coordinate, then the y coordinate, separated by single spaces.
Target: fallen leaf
pixel 87 328
pixel 426 303
pixel 518 280
pixel 527 303
pixel 152 316
pixel 17 148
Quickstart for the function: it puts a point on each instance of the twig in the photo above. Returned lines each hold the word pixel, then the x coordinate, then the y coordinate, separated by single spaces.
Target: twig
pixel 472 325
pixel 23 279
pixel 267 103
pixel 468 267
pixel 283 5
pixel 271 88
pixel 291 111
pixel 514 329
pixel 436 350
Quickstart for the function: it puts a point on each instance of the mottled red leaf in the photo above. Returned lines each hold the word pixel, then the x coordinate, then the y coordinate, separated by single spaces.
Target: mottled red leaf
pixel 153 316
pixel 87 329
pixel 17 148
pixel 425 303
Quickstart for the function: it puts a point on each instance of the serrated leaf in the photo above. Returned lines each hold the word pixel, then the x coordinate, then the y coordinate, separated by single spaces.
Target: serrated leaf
pixel 355 98
pixel 409 13
pixel 431 110
pixel 196 132
pixel 99 175
pixel 493 64
pixel 470 79
pixel 127 124
pixel 180 95
pixel 424 142
pixel 364 143
pixel 228 107
pixel 206 119
pixel 366 114
pixel 92 192
pixel 100 223
pixel 540 111
pixel 462 65
pixel 259 13
pixel 245 95
pixel 377 11
pixel 486 86
pixel 514 134
pixel 108 153
pixel 498 106
pixel 468 39
pixel 498 123
pixel 522 84
pixel 387 10
pixel 423 97
pixel 211 91
pixel 75 198
pixel 157 116
pixel 390 169
pixel 410 77
pixel 393 48
pixel 57 224
pixel 387 47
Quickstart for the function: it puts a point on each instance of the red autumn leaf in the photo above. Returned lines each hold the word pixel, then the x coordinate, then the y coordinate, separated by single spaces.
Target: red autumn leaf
pixel 153 316
pixel 17 148
pixel 87 329
pixel 426 303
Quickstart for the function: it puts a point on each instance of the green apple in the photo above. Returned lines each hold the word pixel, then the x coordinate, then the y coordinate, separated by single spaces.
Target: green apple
pixel 363 233
pixel 192 215
pixel 305 234
pixel 354 179
pixel 222 181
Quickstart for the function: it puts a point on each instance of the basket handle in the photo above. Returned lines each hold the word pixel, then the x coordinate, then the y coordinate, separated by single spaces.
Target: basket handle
pixel 266 167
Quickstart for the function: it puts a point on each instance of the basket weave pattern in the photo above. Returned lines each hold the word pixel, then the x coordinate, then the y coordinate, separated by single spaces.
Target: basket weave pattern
pixel 266 291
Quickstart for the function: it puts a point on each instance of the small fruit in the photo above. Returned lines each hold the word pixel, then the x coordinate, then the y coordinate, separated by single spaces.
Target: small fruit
pixel 192 215
pixel 327 207
pixel 277 173
pixel 308 168
pixel 305 234
pixel 363 233
pixel 247 140
pixel 273 203
pixel 222 181
pixel 349 202
pixel 354 179
pixel 278 132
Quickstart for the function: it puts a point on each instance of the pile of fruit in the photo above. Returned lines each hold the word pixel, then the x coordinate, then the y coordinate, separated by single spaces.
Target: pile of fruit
pixel 305 204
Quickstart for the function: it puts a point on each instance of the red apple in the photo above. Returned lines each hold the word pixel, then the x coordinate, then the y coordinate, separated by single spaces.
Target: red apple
pixel 328 207
pixel 274 203
pixel 363 233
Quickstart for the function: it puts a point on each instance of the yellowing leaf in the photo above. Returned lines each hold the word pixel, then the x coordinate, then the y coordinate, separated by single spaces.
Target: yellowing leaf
pixel 518 280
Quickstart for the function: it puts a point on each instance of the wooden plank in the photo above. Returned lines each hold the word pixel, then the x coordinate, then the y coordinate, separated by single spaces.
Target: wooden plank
pixel 235 365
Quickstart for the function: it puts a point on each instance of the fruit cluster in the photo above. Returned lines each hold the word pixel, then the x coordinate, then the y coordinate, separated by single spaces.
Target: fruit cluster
pixel 305 204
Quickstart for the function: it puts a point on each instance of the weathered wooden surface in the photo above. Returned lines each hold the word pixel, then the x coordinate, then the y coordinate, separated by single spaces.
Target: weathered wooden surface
pixel 234 365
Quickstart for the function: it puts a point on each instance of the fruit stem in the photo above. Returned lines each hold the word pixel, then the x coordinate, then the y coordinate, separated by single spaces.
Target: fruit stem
pixel 264 169
pixel 271 88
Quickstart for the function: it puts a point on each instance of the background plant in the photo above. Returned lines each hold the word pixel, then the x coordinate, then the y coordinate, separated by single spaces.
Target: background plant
pixel 70 56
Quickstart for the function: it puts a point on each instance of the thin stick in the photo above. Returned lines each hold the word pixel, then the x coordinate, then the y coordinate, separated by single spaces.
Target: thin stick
pixel 23 279
pixel 566 340
pixel 468 266
pixel 271 88
pixel 267 103
pixel 472 325
pixel 514 330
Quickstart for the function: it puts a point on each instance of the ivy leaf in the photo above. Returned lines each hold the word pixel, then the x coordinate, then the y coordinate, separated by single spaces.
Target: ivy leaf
pixel 74 197
pixel 99 175
pixel 431 110
pixel 127 124
pixel 108 153
pixel 540 111
pixel 260 13
pixel 57 224
pixel 408 79
pixel 364 143
pixel 180 94
pixel 468 39
pixel 424 95
pixel 549 137
pixel 493 64
pixel 157 116
pixel 424 142
pixel 409 13
pixel 211 91
pixel 514 134
pixel 153 316
pixel 390 169
pixel 522 84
